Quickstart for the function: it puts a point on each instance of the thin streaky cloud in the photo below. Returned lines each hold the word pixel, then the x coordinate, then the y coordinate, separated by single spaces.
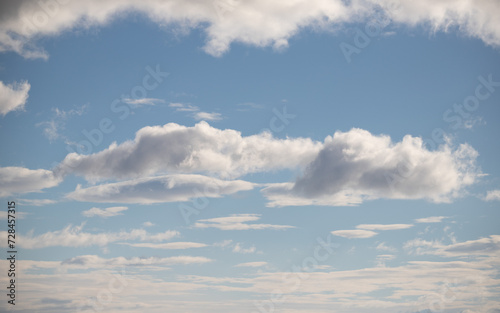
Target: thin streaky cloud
pixel 75 236
pixel 384 226
pixel 108 212
pixel 251 264
pixel 37 202
pixel 431 219
pixel 168 245
pixel 94 261
pixel 159 189
pixel 143 101
pixel 354 233
pixel 238 222
pixel 182 107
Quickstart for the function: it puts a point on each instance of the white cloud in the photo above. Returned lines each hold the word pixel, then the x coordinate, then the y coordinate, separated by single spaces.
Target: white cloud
pixel 357 165
pixel 493 195
pixel 195 112
pixel 235 247
pixel 384 247
pixel 354 233
pixel 108 212
pixel 385 257
pixel 205 116
pixel 182 107
pixel 74 236
pixel 201 148
pixel 381 259
pixel 37 202
pixel 23 22
pixel 147 224
pixel 489 246
pixel 239 249
pixel 237 222
pixel 19 180
pixel 168 245
pixel 414 286
pixel 251 264
pixel 94 261
pixel 431 219
pixel 53 127
pixel 143 101
pixel 384 226
pixel 474 18
pixel 168 188
pixel 13 96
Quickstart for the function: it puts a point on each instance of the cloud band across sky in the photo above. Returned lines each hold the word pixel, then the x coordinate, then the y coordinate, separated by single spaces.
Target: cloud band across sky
pixel 227 21
pixel 171 163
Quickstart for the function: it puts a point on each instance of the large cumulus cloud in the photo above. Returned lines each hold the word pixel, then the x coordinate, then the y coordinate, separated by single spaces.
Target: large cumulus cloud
pixel 201 148
pixel 357 165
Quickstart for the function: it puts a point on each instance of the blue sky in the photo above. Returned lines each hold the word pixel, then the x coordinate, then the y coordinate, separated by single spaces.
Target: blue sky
pixel 251 156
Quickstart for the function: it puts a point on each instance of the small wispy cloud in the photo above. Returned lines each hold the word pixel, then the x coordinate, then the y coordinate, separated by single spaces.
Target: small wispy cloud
pixel 168 245
pixel 36 202
pixel 52 128
pixel 206 116
pixel 367 230
pixel 251 264
pixel 94 261
pixel 493 195
pixel 136 103
pixel 108 212
pixel 354 233
pixel 197 114
pixel 148 224
pixel 383 247
pixel 13 96
pixel 237 222
pixel 239 249
pixel 181 107
pixel 235 247
pixel 384 226
pixel 430 219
